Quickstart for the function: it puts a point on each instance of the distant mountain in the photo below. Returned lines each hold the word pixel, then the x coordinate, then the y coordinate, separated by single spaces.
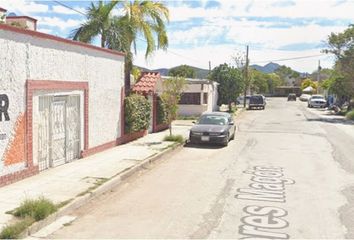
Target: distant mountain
pixel 162 71
pixel 268 68
pixel 200 73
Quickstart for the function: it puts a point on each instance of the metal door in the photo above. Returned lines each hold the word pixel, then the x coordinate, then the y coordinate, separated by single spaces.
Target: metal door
pixel 44 133
pixel 58 131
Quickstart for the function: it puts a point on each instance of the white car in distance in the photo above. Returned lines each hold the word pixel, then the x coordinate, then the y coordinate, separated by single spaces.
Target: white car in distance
pixel 317 101
pixel 304 97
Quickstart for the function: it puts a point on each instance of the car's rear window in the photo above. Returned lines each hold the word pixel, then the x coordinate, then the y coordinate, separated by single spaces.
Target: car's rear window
pixel 317 97
pixel 256 99
pixel 213 120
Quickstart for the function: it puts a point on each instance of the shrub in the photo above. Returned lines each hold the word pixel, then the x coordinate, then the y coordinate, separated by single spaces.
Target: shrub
pixel 37 209
pixel 233 109
pixel 13 231
pixel 192 117
pixel 161 112
pixel 137 113
pixel 350 115
pixel 174 138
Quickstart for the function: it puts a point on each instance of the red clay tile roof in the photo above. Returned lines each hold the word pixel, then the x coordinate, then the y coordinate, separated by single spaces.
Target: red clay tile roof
pixel 3 9
pixel 147 82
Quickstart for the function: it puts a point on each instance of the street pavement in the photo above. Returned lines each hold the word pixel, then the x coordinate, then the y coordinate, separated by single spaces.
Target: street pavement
pixel 71 181
pixel 288 174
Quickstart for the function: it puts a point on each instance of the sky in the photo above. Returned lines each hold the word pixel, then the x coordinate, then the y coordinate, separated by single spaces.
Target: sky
pixel 287 32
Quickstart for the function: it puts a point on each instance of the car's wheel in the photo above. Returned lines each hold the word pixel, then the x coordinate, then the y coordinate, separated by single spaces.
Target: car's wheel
pixel 226 141
pixel 233 135
pixel 263 108
pixel 308 105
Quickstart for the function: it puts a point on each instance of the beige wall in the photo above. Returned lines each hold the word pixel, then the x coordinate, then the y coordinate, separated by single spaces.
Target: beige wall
pixel 198 86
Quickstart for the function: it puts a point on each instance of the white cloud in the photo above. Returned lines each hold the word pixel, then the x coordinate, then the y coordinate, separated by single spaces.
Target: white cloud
pixel 253 33
pixel 59 22
pixel 194 35
pixel 276 37
pixel 45 30
pixel 231 21
pixel 267 8
pixel 23 7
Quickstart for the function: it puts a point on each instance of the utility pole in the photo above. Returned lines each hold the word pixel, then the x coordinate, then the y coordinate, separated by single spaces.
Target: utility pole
pixel 246 79
pixel 318 75
pixel 318 70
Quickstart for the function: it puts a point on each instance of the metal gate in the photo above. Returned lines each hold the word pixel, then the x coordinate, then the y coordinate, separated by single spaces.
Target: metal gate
pixel 59 130
pixel 72 128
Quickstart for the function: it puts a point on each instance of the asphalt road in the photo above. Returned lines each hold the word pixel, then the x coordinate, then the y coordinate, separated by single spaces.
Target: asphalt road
pixel 288 174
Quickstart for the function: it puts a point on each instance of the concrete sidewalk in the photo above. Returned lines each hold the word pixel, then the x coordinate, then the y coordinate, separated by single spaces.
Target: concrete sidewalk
pixel 73 180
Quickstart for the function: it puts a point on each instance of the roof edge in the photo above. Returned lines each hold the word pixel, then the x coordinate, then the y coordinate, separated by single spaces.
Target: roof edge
pixel 46 36
pixel 19 17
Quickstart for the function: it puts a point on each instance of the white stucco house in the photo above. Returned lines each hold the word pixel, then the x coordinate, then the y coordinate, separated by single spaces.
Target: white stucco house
pixel 199 95
pixel 59 100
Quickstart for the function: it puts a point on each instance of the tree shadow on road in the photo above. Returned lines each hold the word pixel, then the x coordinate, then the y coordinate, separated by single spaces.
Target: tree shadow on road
pixel 331 120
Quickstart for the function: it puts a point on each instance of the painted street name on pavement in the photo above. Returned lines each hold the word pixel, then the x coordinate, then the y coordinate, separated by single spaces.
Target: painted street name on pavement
pixel 268 185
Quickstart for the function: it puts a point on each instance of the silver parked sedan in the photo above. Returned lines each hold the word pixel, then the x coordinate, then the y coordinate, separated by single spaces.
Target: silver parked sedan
pixel 215 127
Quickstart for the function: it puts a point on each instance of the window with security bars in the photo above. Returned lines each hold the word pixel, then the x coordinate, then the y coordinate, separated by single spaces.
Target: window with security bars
pixel 190 99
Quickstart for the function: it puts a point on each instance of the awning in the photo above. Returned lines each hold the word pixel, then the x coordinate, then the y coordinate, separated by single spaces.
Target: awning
pixel 308 89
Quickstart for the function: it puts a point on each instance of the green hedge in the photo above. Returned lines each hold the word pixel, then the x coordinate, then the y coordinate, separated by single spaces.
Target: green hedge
pixel 137 113
pixel 161 112
pixel 350 115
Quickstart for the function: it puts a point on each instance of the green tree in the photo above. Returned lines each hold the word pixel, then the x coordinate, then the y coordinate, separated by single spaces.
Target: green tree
pixel 148 19
pixel 259 82
pixel 326 84
pixel 273 81
pixel 342 46
pixel 171 95
pixel 231 83
pixel 308 83
pixel 136 73
pixel 98 22
pixel 139 18
pixel 339 86
pixel 182 71
pixel 285 73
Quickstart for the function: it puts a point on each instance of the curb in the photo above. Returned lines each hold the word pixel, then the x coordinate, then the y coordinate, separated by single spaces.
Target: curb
pixel 105 187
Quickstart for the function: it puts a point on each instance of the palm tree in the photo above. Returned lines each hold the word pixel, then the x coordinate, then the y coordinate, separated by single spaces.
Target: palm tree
pixel 98 23
pixel 141 18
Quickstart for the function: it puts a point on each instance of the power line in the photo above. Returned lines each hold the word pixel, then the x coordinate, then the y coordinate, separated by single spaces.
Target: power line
pixel 288 59
pixel 192 59
pixel 64 5
pixel 177 54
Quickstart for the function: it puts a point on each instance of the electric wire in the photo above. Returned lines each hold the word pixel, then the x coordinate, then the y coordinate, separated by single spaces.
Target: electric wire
pixel 192 59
